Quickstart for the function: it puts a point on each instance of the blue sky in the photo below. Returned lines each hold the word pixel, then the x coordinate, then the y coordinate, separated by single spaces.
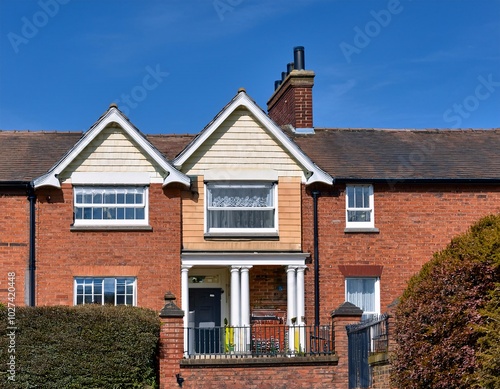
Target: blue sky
pixel 172 65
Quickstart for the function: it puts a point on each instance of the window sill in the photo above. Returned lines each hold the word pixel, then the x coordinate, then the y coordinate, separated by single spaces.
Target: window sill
pixel 111 228
pixel 241 236
pixel 351 230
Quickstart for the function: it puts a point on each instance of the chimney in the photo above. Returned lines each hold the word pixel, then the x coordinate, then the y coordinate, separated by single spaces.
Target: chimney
pixel 291 102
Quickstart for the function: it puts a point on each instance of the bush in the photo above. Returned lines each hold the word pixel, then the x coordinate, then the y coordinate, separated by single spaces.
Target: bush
pixel 443 332
pixel 86 346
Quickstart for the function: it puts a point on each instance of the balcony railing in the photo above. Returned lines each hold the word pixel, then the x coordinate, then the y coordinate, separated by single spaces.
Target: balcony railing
pixel 259 340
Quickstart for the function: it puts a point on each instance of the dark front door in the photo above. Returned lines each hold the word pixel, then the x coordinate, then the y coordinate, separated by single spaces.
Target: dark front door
pixel 205 302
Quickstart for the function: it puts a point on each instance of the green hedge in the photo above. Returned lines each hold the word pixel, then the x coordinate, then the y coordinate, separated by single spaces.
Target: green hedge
pixel 447 320
pixel 87 346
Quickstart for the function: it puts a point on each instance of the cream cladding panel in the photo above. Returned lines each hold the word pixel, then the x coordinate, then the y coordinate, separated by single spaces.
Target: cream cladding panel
pixel 241 143
pixel 113 151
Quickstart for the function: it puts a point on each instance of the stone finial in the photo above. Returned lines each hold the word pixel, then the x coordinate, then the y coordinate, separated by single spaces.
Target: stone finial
pixel 170 309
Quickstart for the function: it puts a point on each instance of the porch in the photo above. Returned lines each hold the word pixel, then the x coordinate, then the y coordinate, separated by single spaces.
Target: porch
pixel 224 295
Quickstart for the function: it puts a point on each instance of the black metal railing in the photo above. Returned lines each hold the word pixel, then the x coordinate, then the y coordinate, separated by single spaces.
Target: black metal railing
pixel 259 340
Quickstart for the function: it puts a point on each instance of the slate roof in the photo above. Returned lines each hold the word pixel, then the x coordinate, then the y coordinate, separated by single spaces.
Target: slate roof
pixel 371 154
pixel 26 155
pixel 346 154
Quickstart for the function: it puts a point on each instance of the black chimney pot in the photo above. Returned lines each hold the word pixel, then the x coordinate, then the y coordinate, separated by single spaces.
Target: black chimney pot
pixel 299 58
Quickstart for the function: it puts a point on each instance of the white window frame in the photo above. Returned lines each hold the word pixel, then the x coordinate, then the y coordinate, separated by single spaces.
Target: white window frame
pixel 111 222
pixel 370 208
pixel 243 231
pixel 367 314
pixel 93 283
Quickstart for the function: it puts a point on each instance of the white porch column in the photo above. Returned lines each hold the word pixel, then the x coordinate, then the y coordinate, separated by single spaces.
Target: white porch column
pixel 291 306
pixel 302 346
pixel 235 296
pixel 291 296
pixel 245 296
pixel 300 294
pixel 185 302
pixel 245 308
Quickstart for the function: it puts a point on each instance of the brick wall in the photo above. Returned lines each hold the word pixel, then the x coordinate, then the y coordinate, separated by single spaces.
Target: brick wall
pixel 152 256
pixel 268 285
pixel 14 243
pixel 414 222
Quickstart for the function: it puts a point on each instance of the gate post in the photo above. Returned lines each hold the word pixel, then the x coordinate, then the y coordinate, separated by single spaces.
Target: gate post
pixel 345 314
pixel 171 348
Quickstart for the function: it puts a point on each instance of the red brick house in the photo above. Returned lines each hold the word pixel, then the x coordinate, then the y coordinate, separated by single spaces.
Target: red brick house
pixel 259 221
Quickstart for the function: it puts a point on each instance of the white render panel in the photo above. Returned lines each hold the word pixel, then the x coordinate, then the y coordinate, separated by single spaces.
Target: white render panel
pixel 242 143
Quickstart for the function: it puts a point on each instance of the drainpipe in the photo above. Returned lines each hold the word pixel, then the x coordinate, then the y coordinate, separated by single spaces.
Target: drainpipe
pixel 31 262
pixel 315 195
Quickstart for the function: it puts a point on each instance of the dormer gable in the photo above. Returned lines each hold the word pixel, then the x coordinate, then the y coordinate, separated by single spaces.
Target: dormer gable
pixel 240 109
pixel 111 127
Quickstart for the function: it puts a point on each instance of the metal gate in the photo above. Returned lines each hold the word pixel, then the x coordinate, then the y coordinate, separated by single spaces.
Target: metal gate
pixel 362 339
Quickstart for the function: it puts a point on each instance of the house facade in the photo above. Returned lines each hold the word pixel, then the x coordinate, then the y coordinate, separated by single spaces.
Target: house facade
pixel 260 221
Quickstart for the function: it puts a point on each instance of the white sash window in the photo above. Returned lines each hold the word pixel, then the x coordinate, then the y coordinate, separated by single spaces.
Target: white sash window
pixel 108 290
pixel 241 208
pixel 359 206
pixel 110 206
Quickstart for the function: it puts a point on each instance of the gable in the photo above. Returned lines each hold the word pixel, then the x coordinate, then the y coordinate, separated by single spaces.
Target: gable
pixel 241 143
pixel 114 145
pixel 243 137
pixel 113 150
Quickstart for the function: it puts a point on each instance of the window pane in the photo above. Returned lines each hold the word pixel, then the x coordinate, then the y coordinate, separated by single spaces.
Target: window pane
pixel 358 216
pixel 110 198
pixel 139 214
pixel 358 197
pixel 350 196
pixel 130 300
pixel 138 198
pixel 79 299
pixel 120 198
pixel 241 219
pixel 79 198
pixel 366 197
pixel 87 213
pixel 87 198
pixel 120 213
pixel 361 292
pixel 129 198
pixel 129 213
pixel 97 214
pixel 97 198
pixel 239 197
pixel 78 213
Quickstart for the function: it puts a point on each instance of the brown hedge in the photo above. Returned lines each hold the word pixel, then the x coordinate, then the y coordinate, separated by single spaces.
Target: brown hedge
pixel 86 346
pixel 443 327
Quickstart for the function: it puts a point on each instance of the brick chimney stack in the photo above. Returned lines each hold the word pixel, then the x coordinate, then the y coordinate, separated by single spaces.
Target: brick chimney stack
pixel 291 102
